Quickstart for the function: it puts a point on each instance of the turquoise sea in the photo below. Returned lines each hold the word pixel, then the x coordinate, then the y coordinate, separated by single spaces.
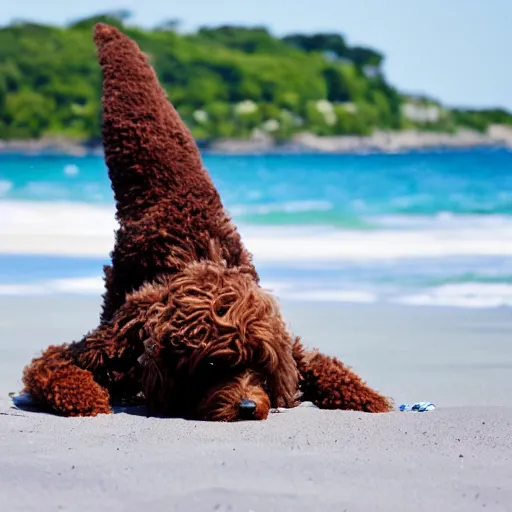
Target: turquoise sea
pixel 422 228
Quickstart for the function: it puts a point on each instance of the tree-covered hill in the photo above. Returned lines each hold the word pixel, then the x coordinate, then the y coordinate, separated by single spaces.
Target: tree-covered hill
pixel 226 81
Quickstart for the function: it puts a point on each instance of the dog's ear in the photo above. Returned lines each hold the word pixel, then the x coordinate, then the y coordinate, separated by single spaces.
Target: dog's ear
pixel 168 208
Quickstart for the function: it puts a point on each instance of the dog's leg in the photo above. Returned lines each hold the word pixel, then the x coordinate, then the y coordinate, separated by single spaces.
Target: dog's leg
pixel 56 383
pixel 329 384
pixel 81 378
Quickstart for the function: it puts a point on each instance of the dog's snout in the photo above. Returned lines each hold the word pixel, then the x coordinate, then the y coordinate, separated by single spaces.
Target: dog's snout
pixel 247 408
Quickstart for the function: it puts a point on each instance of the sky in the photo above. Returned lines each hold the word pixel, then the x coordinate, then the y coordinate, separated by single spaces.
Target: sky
pixel 455 51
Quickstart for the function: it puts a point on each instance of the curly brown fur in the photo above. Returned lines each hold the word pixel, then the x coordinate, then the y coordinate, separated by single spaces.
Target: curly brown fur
pixel 185 321
pixel 59 385
pixel 167 206
pixel 214 333
pixel 329 384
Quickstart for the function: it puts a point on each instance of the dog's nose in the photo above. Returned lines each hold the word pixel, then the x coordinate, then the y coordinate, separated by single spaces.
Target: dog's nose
pixel 247 408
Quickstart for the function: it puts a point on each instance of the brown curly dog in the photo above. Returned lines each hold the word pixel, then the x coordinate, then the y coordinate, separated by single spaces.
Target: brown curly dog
pixel 185 323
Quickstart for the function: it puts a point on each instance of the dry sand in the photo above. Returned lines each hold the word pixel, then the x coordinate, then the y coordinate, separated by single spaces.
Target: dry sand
pixel 458 457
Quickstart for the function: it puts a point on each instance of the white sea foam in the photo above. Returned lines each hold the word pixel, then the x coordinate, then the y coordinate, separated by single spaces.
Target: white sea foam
pixel 80 229
pixel 443 221
pixel 467 295
pixel 77 285
pixel 71 170
pixel 92 285
pixel 55 218
pixel 352 296
pixel 381 245
pixel 5 186
pixel 284 207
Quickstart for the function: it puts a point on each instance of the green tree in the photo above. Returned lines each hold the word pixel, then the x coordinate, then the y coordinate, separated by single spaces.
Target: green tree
pixel 50 82
pixel 27 113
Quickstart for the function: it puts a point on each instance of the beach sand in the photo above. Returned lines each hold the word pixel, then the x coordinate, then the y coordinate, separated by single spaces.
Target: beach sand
pixel 456 458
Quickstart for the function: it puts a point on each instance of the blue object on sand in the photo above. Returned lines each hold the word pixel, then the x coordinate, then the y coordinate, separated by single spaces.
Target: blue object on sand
pixel 23 401
pixel 418 407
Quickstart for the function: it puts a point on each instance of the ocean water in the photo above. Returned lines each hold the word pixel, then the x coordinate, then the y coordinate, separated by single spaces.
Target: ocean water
pixel 421 228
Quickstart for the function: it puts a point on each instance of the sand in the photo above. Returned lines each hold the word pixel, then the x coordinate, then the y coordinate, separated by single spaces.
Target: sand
pixel 458 457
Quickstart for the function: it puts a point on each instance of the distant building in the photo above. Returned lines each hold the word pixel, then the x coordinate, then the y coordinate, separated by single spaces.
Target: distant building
pixel 349 107
pixel 372 71
pixel 422 114
pixel 331 56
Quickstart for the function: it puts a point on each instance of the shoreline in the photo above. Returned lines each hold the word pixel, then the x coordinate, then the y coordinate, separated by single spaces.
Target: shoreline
pixel 497 137
pixel 62 248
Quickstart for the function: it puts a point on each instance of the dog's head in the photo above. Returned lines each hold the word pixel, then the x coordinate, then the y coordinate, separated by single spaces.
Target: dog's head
pixel 217 347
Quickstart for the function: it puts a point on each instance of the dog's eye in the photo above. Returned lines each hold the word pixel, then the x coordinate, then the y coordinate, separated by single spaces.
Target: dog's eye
pixel 214 369
pixel 210 367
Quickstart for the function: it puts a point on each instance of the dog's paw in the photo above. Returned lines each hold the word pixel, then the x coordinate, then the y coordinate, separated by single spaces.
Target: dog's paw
pixel 75 393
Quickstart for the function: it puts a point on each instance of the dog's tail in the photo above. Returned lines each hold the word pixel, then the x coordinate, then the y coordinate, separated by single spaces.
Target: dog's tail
pixel 150 154
pixel 168 208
